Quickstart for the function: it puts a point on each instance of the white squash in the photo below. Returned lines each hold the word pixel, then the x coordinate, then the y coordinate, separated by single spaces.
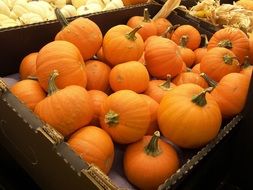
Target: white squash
pixel 4 9
pixel 30 18
pixel 20 7
pixel 114 4
pixel 5 23
pixel 78 3
pixel 69 11
pixel 13 15
pixel 100 2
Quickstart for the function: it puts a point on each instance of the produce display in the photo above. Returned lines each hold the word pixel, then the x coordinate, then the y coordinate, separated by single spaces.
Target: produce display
pixel 238 15
pixel 139 86
pixel 22 12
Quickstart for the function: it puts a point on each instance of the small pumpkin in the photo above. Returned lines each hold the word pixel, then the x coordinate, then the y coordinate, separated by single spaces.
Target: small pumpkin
pixel 133 2
pixel 94 146
pixel 196 68
pixel 230 93
pixel 153 106
pixel 247 68
pixel 149 162
pixel 28 66
pixel 97 98
pixel 29 92
pixel 125 43
pixel 97 75
pixel 162 24
pixel 148 26
pixel 193 35
pixel 158 88
pixel 64 57
pixel 125 115
pixel 162 57
pixel 131 75
pixel 66 109
pixel 219 62
pixel 189 116
pixel 201 51
pixel 190 77
pixel 83 33
pixel 233 39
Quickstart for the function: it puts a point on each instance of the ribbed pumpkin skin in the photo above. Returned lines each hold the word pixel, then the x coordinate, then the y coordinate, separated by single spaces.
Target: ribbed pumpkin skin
pixel 231 93
pixel 239 40
pixel 97 75
pixel 66 110
pixel 214 65
pixel 131 75
pixel 185 123
pixel 155 90
pixel 64 57
pixel 29 92
pixel 123 49
pixel 84 34
pixel 134 116
pixel 28 66
pixel 196 68
pixel 190 77
pixel 148 172
pixel 192 33
pixel 94 145
pixel 162 57
pixel 162 25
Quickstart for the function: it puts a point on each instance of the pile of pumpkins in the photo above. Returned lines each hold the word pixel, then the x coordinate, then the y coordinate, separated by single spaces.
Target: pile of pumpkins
pixel 141 80
pixel 21 12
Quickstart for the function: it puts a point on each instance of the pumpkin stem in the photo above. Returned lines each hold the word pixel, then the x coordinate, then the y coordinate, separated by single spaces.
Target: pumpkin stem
pixel 111 118
pixel 226 44
pixel 228 59
pixel 246 62
pixel 152 148
pixel 183 41
pixel 60 17
pixel 200 99
pixel 131 35
pixel 166 85
pixel 52 88
pixel 170 30
pixel 210 81
pixel 146 15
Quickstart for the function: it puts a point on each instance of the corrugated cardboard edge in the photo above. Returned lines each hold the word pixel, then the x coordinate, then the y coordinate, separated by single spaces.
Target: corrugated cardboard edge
pixel 191 163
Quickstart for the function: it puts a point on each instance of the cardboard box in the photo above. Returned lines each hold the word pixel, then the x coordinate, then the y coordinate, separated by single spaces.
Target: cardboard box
pixel 41 150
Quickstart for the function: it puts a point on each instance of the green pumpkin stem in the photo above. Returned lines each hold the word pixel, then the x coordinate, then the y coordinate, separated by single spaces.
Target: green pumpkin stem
pixel 60 17
pixel 146 15
pixel 228 59
pixel 200 99
pixel 246 62
pixel 152 149
pixel 170 30
pixel 166 85
pixel 131 35
pixel 111 118
pixel 52 88
pixel 183 41
pixel 226 44
pixel 210 81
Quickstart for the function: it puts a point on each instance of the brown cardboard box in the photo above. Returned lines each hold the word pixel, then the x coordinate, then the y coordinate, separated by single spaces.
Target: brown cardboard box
pixel 41 150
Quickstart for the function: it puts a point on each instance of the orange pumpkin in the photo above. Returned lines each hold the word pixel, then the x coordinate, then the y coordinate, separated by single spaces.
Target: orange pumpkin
pixel 125 115
pixel 66 109
pixel 97 75
pixel 29 92
pixel 148 26
pixel 133 2
pixel 94 146
pixel 64 57
pixel 162 57
pixel 230 93
pixel 190 32
pixel 201 51
pixel 131 75
pixel 153 106
pixel 162 24
pixel 247 68
pixel 124 42
pixel 83 33
pixel 187 54
pixel 251 49
pixel 158 88
pixel 149 162
pixel 189 116
pixel 219 62
pixel 97 98
pixel 233 39
pixel 28 66
pixel 196 68
pixel 190 77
